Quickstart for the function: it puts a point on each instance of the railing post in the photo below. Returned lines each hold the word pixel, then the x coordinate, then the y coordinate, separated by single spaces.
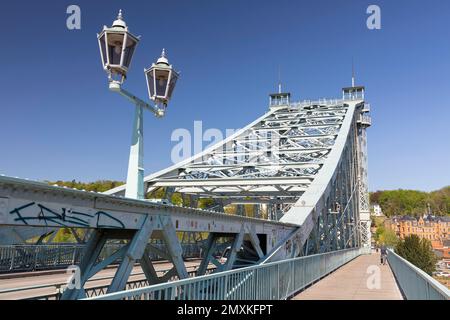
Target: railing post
pixel 58 292
pixel 258 285
pixel 36 250
pixel 226 287
pixel 278 282
pixel 74 253
pixel 59 254
pixel 294 277
pixel 13 258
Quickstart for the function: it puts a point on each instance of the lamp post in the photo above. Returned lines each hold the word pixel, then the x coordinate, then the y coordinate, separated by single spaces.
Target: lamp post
pixel 117 46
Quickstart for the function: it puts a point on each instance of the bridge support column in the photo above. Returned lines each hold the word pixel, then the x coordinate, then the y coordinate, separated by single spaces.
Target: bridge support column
pixel 363 183
pixel 255 241
pixel 128 254
pixel 240 210
pixel 168 193
pixel 174 254
pixel 148 268
pixel 194 202
pixel 174 247
pixel 91 252
pixel 237 243
pixel 135 251
pixel 211 246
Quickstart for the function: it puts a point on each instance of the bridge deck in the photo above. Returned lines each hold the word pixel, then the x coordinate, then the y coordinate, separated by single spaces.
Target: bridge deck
pixel 350 283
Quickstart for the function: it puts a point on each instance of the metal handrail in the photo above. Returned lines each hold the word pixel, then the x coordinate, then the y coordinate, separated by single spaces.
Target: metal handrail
pixel 318 102
pixel 272 281
pixel 51 256
pixel 365 119
pixel 414 282
pixel 63 283
pixel 59 286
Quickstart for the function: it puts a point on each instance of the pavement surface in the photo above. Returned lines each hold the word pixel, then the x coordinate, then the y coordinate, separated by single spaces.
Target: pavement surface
pixel 363 278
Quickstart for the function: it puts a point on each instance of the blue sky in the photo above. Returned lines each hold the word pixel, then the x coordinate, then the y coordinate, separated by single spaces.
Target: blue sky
pixel 59 121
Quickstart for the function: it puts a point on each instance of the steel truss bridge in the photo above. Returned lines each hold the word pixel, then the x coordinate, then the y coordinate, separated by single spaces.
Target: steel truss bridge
pixel 292 183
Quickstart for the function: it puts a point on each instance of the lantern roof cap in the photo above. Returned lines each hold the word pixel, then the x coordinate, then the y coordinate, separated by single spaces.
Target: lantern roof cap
pixel 119 22
pixel 163 59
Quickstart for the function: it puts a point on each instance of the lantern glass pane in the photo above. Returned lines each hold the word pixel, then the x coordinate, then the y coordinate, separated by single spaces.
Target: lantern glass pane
pixel 162 76
pixel 151 83
pixel 129 50
pixel 173 81
pixel 103 49
pixel 115 42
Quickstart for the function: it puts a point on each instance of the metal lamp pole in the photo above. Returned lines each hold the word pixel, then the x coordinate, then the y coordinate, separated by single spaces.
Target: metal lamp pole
pixel 117 46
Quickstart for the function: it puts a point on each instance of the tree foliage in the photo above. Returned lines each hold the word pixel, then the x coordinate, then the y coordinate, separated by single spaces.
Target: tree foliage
pixel 412 202
pixel 419 252
pixel 388 238
pixel 97 186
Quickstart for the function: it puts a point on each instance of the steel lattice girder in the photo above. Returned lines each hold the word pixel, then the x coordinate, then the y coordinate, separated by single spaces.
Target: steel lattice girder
pixel 293 155
pixel 313 210
pixel 264 172
pixel 275 157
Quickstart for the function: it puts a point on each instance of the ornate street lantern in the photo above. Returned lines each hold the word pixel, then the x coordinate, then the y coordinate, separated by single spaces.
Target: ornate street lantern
pixel 117 46
pixel 161 80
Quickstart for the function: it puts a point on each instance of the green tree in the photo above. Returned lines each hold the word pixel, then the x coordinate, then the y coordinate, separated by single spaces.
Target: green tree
pixel 419 252
pixel 388 238
pixel 380 230
pixel 63 235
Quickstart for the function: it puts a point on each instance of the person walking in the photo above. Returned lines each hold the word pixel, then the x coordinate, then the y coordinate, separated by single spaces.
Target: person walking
pixel 383 254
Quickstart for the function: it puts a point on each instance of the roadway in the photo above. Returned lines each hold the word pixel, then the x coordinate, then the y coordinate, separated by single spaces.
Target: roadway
pixel 48 282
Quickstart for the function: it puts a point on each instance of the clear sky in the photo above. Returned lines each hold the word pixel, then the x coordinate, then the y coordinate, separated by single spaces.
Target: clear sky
pixel 59 121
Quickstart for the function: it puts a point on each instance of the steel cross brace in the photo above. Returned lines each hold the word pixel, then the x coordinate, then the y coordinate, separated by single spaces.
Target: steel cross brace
pixel 211 247
pixel 174 254
pixel 135 250
pixel 128 254
pixel 91 253
pixel 236 246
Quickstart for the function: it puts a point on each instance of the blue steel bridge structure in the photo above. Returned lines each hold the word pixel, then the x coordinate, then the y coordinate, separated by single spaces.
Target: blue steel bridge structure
pixel 301 167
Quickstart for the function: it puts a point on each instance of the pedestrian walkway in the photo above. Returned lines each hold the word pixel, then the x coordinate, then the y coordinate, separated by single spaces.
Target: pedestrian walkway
pixel 361 279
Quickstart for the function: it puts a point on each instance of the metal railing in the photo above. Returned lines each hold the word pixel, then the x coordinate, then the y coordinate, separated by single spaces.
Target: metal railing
pixel 92 291
pixel 366 108
pixel 43 257
pixel 415 283
pixel 272 281
pixel 38 257
pixel 365 120
pixel 324 101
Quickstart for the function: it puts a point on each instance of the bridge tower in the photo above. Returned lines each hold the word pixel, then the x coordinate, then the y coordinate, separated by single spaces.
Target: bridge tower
pixel 363 122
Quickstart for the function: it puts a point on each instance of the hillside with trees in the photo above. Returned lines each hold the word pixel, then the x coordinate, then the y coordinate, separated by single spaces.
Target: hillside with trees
pixel 412 202
pixel 97 186
pixel 393 202
pixel 104 185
